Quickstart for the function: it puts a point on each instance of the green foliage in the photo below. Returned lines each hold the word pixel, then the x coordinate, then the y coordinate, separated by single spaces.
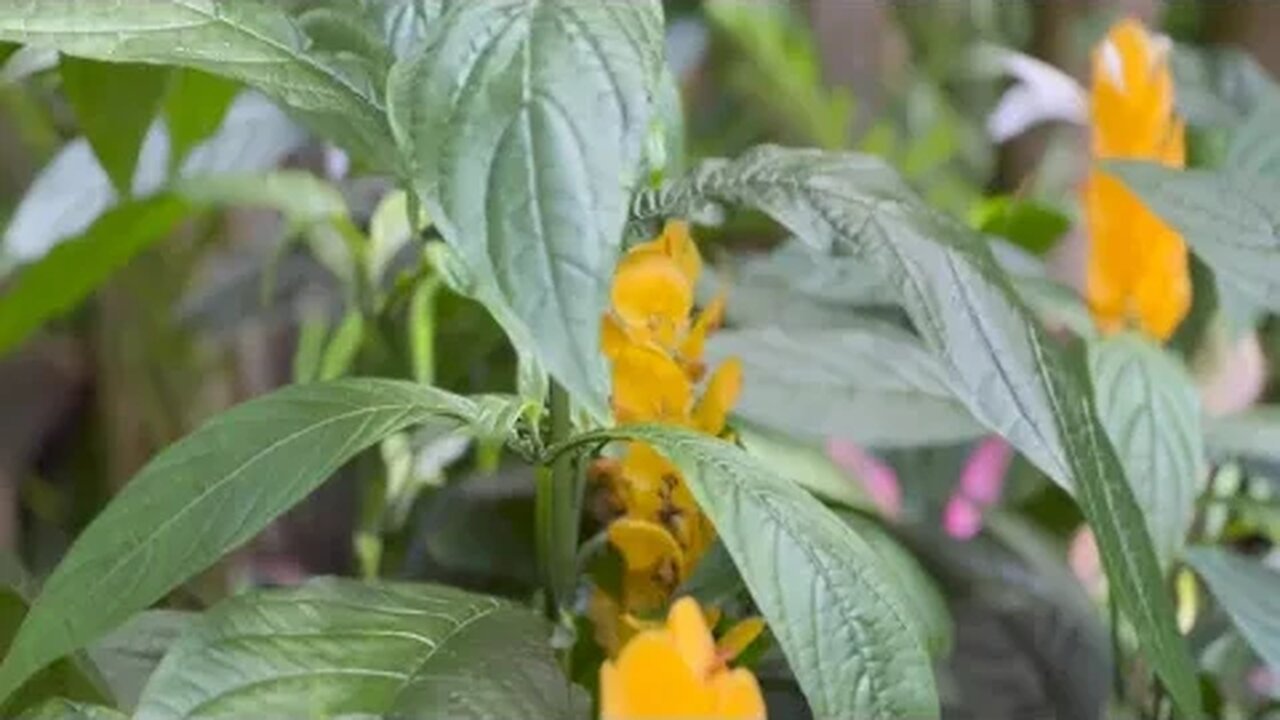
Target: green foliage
pixel 196 105
pixel 340 647
pixel 1250 592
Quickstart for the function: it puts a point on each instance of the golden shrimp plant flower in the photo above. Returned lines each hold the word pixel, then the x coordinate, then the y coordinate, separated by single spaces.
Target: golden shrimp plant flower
pixel 1137 267
pixel 678 671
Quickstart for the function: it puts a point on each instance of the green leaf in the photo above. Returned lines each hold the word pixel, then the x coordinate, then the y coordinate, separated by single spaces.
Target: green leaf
pixel 524 122
pixel 194 109
pixel 301 197
pixel 809 465
pixel 1032 225
pixel 212 492
pixel 68 678
pixel 58 282
pixel 340 354
pixel 254 42
pixel 1250 593
pixel 1252 433
pixel 840 618
pixel 114 104
pixel 128 655
pixel 869 381
pixel 853 209
pixel 339 647
pixel 1151 410
pixel 1218 87
pixel 1228 219
pixel 928 606
pixel 63 709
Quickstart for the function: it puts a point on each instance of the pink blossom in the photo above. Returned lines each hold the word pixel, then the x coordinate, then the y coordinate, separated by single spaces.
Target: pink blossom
pixel 879 480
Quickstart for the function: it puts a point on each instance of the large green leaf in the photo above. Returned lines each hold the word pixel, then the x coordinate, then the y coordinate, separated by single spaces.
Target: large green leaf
pixel 74 269
pixel 337 94
pixel 114 104
pixel 1151 410
pixel 868 381
pixel 853 209
pixel 844 624
pixel 524 122
pixel 1250 592
pixel 213 491
pixel 69 678
pixel 1252 433
pixel 1218 87
pixel 126 656
pixel 338 647
pixel 1229 219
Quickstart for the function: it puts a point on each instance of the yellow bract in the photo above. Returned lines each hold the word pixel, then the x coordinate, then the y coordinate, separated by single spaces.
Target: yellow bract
pixel 1137 268
pixel 655 355
pixel 676 672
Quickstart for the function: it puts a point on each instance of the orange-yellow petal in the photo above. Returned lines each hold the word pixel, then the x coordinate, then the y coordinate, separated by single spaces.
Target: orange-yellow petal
pixel 694 344
pixel 613 338
pixel 643 544
pixel 719 398
pixel 652 298
pixel 649 386
pixel 677 243
pixel 739 638
pixel 738 696
pixel 691 635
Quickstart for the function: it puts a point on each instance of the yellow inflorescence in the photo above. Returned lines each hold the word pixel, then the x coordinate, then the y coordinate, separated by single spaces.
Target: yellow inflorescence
pixel 1137 268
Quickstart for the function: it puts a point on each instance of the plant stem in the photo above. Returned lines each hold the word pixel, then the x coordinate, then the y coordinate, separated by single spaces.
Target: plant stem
pixel 557 506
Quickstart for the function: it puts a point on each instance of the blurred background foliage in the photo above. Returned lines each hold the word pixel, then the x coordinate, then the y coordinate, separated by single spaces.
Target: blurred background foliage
pixel 304 267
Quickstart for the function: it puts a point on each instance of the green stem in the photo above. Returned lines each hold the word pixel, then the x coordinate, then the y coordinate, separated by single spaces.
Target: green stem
pixel 557 505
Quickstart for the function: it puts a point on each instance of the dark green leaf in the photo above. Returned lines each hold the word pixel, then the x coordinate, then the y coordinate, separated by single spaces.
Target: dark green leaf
pixel 213 491
pixel 68 678
pixel 194 109
pixel 55 284
pixel 1250 592
pixel 338 647
pixel 1229 219
pixel 255 42
pixel 63 709
pixel 1151 410
pixel 128 655
pixel 114 104
pixel 526 164
pixel 852 208
pixel 867 381
pixel 840 618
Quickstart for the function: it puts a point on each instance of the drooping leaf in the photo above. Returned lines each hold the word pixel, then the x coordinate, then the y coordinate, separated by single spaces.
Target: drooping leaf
pixel 1228 218
pixel 64 277
pixel 840 618
pixel 252 41
pixel 553 110
pixel 853 209
pixel 1250 592
pixel 213 491
pixel 114 104
pixel 338 647
pixel 868 381
pixel 194 109
pixel 127 656
pixel 1151 410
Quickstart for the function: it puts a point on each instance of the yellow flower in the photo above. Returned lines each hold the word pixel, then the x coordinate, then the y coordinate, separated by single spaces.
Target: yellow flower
pixel 1137 267
pixel 676 672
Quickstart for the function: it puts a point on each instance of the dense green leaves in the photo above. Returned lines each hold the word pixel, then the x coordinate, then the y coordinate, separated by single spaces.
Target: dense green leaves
pixel 853 209
pixel 1250 592
pixel 114 104
pixel 1230 220
pixel 869 381
pixel 255 42
pixel 213 491
pixel 338 647
pixel 74 269
pixel 524 123
pixel 845 626
pixel 1151 410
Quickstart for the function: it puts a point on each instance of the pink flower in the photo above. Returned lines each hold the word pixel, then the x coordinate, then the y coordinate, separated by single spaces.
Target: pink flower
pixel 879 480
pixel 981 482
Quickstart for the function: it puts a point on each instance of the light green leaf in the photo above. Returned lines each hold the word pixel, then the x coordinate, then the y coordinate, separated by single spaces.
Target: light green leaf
pixel 213 491
pixel 1252 433
pixel 808 465
pixel 840 618
pixel 1151 410
pixel 128 655
pixel 853 209
pixel 194 109
pixel 524 122
pixel 868 381
pixel 71 678
pixel 1250 593
pixel 62 709
pixel 338 647
pixel 928 606
pixel 114 104
pixel 1218 87
pixel 1229 219
pixel 340 354
pixel 1254 148
pixel 60 280
pixel 255 42
pixel 301 197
